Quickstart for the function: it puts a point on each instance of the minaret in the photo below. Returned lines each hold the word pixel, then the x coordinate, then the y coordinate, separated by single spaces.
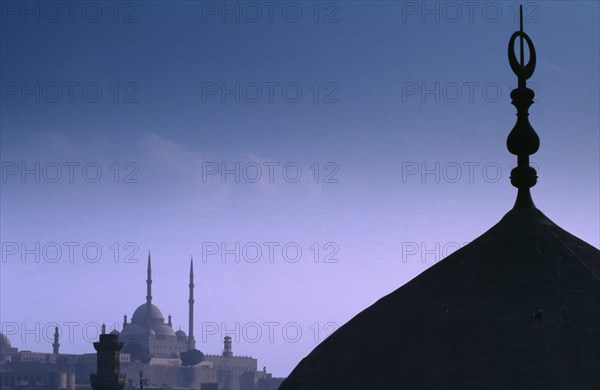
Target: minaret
pixel 56 344
pixel 191 340
pixel 522 140
pixel 227 351
pixel 149 282
pixel 108 372
pixel 148 294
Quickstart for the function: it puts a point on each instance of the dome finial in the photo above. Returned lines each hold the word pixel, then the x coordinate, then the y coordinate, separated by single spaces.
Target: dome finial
pixel 522 141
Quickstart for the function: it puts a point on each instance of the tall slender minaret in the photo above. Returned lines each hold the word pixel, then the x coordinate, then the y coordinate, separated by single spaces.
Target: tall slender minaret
pixel 56 344
pixel 148 294
pixel 191 340
pixel 149 282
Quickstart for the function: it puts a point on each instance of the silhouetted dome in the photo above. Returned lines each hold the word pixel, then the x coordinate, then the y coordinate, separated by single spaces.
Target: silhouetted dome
pixel 4 342
pixel 140 315
pixel 181 335
pixel 519 307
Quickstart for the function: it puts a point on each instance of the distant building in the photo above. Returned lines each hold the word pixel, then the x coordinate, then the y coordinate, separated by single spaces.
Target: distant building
pixel 6 349
pixel 149 345
pixel 25 370
pixel 38 380
pixel 149 332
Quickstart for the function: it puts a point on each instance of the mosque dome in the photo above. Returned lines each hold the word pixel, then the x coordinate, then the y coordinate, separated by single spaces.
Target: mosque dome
pixel 4 342
pixel 143 316
pixel 148 321
pixel 132 330
pixel 518 307
pixel 163 330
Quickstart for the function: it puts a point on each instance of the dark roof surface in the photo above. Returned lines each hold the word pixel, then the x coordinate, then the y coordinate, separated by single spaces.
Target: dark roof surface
pixel 519 307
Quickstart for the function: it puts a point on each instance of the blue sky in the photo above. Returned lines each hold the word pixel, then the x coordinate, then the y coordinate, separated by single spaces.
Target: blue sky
pixel 378 129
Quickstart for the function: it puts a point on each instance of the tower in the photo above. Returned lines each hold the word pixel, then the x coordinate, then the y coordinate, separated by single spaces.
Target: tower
pixel 148 292
pixel 149 282
pixel 56 344
pixel 227 351
pixel 108 372
pixel 191 340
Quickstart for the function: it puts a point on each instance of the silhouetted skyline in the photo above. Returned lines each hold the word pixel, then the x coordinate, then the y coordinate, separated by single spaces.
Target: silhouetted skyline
pixel 498 312
pixel 163 127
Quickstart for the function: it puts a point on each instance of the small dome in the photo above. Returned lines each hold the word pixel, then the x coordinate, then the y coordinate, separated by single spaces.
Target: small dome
pixel 132 330
pixel 163 330
pixel 143 315
pixel 181 335
pixel 4 342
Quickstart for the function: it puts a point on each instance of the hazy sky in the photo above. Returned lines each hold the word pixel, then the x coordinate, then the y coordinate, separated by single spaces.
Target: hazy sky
pixel 311 156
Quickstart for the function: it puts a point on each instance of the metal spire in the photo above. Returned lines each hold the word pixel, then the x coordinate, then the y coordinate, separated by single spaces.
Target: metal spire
pixel 522 141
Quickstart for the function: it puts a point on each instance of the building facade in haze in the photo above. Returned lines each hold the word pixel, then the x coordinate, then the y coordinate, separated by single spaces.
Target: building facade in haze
pixel 147 344
pixel 148 334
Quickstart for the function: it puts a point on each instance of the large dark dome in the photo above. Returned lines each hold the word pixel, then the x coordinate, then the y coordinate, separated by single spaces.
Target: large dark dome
pixel 519 307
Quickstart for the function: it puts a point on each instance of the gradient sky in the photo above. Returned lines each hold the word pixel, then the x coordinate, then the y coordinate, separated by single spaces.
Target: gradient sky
pixel 369 128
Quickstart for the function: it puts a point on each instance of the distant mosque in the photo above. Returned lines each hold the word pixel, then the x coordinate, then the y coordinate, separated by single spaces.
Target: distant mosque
pixel 145 346
pixel 148 328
